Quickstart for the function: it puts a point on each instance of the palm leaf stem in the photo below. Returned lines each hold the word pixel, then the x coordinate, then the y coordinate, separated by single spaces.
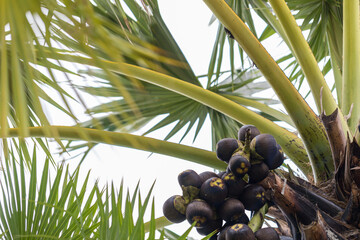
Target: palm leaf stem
pixel 17 83
pixel 307 123
pixel 307 61
pixel 4 83
pixel 351 62
pixel 192 154
pixel 337 74
pixel 335 36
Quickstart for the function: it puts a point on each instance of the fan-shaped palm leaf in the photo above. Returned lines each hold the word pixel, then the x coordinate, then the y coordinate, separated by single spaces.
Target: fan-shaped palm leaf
pixel 62 208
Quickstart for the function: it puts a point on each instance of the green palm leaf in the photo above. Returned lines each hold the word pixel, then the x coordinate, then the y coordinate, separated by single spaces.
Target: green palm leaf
pixel 62 208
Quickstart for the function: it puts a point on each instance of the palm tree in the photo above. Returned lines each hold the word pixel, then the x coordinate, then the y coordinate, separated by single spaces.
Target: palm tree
pixel 130 58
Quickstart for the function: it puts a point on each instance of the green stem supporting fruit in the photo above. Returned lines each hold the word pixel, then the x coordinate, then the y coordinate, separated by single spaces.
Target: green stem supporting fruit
pixel 192 154
pixel 307 123
pixel 258 219
pixel 351 62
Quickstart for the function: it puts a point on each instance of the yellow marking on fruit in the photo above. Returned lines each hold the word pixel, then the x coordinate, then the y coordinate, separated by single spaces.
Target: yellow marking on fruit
pixel 263 193
pixel 237 227
pixel 239 170
pixel 200 220
pixel 246 170
pixel 217 183
pixel 229 176
pixel 258 195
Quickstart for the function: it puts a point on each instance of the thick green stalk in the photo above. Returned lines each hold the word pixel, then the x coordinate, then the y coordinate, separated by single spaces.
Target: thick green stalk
pixel 4 77
pixel 351 62
pixel 307 61
pixel 309 126
pixel 336 71
pixel 192 154
pixel 291 144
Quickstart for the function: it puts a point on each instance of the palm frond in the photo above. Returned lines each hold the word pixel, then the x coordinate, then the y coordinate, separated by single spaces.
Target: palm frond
pixel 64 207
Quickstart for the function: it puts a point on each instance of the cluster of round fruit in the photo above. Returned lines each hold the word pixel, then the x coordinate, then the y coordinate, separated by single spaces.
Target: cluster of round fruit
pixel 209 199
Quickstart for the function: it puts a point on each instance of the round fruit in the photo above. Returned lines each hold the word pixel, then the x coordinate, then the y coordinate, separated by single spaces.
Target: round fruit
pixel 199 211
pixel 243 219
pixel 253 197
pixel 258 172
pixel 240 231
pixel 235 185
pixel 214 191
pixel 210 227
pixel 189 178
pixel 242 132
pixel 231 210
pixel 225 148
pixel 267 234
pixel 206 175
pixel 277 160
pixel 265 146
pixel 239 165
pixel 174 209
pixel 222 233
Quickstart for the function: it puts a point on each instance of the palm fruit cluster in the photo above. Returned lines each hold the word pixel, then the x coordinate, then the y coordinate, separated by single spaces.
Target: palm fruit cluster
pixel 217 202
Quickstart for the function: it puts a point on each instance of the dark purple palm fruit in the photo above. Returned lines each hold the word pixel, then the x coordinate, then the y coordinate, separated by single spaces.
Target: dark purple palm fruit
pixel 214 191
pixel 239 165
pixel 210 227
pixel 200 211
pixel 263 148
pixel 243 219
pixel 189 178
pixel 231 210
pixel 190 183
pixel 225 148
pixel 174 209
pixel 253 197
pixel 240 231
pixel 235 185
pixel 277 160
pixel 258 172
pixel 206 175
pixel 253 132
pixel 222 233
pixel 267 234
